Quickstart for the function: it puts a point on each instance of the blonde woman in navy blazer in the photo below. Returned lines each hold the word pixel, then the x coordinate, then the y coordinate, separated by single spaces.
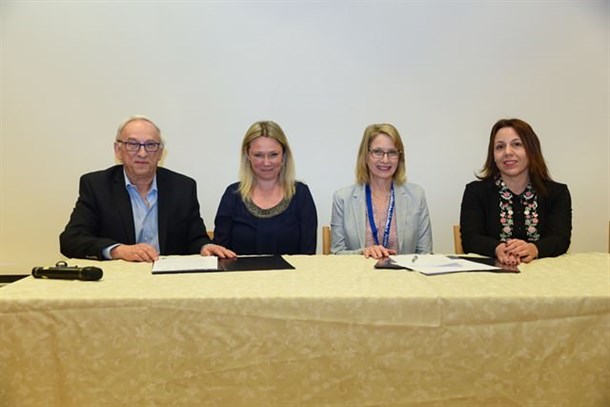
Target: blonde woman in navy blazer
pixel 398 209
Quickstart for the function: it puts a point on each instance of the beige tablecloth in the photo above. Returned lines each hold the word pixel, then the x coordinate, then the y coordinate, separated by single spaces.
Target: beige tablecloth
pixel 334 331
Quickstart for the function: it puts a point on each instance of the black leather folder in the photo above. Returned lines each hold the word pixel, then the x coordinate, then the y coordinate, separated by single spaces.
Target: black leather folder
pixel 241 263
pixel 253 263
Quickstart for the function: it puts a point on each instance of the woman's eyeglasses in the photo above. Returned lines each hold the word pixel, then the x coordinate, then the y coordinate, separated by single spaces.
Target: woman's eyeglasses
pixel 378 154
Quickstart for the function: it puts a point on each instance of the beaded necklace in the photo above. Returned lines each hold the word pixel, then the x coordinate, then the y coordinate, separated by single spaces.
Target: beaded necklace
pixel 529 200
pixel 266 213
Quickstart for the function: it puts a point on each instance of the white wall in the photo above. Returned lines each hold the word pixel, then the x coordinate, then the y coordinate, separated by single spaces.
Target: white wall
pixel 442 72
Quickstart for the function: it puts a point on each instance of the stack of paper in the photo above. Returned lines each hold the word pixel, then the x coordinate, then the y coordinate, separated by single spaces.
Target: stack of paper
pixel 184 264
pixel 438 264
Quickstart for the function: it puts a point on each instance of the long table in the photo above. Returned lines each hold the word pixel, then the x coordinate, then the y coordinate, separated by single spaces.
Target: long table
pixel 333 332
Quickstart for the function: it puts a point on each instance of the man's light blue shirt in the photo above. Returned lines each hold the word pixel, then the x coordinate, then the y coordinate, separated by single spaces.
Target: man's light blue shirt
pixel 145 216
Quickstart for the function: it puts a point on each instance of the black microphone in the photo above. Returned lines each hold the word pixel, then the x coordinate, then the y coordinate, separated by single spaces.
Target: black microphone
pixel 64 272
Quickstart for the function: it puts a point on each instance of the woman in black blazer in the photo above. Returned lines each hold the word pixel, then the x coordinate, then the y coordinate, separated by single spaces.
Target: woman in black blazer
pixel 515 211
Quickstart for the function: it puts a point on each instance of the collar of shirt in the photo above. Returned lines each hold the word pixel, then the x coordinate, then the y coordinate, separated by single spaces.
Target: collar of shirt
pixel 131 187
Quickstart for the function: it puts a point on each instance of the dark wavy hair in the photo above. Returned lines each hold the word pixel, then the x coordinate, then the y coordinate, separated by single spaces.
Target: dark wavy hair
pixel 538 171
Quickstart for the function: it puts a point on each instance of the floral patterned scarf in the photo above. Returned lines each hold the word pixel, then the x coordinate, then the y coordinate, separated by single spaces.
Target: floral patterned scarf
pixel 529 200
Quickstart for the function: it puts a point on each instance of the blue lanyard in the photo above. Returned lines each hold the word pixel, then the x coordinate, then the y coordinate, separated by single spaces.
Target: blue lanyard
pixel 388 221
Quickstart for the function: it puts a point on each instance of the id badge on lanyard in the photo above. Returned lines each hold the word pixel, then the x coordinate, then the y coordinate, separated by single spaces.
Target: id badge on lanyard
pixel 388 221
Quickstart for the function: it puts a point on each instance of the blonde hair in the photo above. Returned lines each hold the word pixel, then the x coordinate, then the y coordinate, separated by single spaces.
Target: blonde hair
pixel 246 174
pixel 372 131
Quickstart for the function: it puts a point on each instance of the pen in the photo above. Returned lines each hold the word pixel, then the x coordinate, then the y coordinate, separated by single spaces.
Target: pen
pixel 414 258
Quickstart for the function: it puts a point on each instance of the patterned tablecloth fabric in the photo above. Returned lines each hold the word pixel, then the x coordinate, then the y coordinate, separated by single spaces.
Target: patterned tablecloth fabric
pixel 333 332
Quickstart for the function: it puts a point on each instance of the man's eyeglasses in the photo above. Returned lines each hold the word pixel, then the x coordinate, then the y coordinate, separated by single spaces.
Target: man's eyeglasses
pixel 132 146
pixel 378 154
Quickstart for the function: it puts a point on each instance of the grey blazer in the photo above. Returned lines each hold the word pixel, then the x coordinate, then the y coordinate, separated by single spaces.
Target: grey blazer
pixel 348 221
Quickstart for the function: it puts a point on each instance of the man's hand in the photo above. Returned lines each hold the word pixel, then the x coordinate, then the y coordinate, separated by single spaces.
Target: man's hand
pixel 135 252
pixel 218 251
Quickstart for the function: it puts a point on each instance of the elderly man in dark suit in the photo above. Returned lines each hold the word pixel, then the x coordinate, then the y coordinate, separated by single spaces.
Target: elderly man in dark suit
pixel 137 211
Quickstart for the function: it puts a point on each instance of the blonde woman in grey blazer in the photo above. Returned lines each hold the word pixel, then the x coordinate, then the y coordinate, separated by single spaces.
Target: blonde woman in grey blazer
pixel 394 209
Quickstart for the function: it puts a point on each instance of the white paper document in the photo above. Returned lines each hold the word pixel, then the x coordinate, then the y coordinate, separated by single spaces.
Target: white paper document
pixel 176 264
pixel 438 264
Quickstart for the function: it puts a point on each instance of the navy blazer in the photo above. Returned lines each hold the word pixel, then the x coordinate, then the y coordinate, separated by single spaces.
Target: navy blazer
pixel 293 231
pixel 348 220
pixel 103 215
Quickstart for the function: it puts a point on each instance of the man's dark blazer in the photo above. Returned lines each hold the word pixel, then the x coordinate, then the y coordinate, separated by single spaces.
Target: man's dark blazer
pixel 103 216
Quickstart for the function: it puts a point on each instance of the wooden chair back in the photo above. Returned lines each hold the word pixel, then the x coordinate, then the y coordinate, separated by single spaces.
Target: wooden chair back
pixel 457 240
pixel 326 239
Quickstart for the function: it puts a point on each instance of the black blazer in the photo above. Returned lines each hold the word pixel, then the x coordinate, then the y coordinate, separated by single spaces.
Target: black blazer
pixel 480 219
pixel 103 216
